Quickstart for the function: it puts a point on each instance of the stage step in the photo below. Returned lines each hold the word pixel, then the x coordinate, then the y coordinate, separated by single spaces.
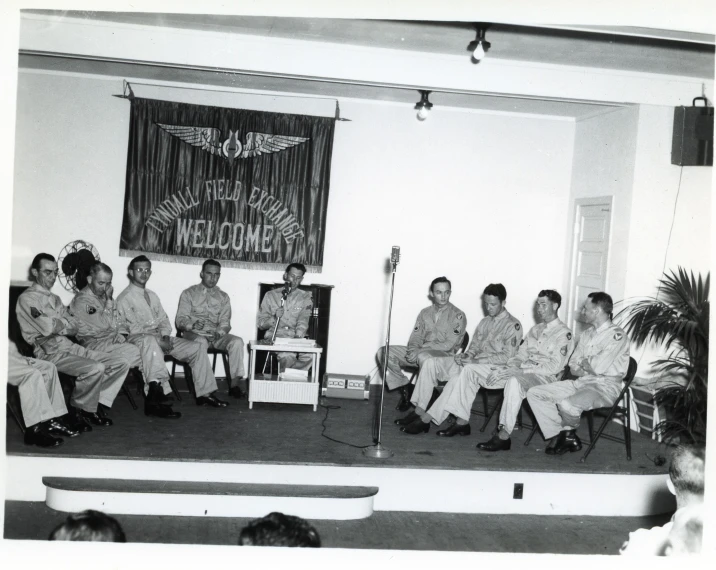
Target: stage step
pixel 189 498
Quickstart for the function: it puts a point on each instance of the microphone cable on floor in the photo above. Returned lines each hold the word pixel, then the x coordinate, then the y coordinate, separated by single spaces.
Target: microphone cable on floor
pixel 328 408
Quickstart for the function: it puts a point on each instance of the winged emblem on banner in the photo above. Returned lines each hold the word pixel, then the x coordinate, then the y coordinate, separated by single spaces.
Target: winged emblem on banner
pixel 209 139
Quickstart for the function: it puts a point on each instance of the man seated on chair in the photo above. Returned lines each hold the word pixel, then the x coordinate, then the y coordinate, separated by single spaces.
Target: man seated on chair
pixel 292 316
pixel 495 340
pixel 204 316
pixel 143 312
pixel 438 331
pixel 45 324
pixel 41 399
pixel 100 328
pixel 600 362
pixel 540 360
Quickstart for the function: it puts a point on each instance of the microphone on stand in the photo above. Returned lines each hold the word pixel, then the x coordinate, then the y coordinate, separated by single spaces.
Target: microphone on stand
pixel 395 255
pixel 284 295
pixel 377 451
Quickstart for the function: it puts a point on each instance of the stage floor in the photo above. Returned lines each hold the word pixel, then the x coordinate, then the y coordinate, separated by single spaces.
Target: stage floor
pixel 286 434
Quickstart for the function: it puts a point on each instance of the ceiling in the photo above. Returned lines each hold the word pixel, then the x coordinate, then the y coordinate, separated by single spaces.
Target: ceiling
pixel 626 48
pixel 652 51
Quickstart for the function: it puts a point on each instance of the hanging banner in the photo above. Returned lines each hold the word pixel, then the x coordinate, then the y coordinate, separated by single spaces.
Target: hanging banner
pixel 248 188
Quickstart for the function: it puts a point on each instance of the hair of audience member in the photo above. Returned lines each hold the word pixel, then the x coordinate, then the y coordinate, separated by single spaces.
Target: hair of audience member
pixel 686 471
pixel 277 529
pixel 41 257
pixel 300 266
pixel 552 295
pixel 139 259
pixel 602 300
pixel 90 526
pixel 496 290
pixel 210 262
pixel 437 280
pixel 98 266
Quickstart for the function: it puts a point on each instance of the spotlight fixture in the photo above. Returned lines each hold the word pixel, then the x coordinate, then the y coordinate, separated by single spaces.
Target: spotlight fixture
pixel 423 106
pixel 480 45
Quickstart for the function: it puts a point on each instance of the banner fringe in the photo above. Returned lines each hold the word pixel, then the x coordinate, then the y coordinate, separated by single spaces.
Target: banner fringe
pixel 186 260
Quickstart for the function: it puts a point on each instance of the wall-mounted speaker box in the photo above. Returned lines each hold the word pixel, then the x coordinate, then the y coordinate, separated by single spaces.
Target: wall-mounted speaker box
pixel 693 140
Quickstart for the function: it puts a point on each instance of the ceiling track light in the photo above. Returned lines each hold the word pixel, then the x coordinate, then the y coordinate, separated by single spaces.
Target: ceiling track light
pixel 480 45
pixel 423 106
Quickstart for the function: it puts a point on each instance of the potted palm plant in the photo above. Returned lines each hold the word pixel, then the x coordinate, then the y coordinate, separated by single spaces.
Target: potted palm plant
pixel 678 319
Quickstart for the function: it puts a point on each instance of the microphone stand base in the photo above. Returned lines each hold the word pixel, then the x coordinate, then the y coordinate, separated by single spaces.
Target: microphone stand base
pixel 377 452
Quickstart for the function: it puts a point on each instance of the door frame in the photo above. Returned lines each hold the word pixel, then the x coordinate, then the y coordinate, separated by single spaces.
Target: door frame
pixel 572 309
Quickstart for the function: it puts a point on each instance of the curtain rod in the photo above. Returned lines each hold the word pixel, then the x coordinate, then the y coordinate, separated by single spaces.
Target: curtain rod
pixel 127 93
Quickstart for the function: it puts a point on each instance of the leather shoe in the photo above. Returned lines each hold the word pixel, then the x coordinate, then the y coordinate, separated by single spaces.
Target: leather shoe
pixel 77 422
pixel 549 450
pixel 211 401
pixel 160 411
pixel 405 420
pixel 57 426
pixel 567 442
pixel 405 393
pixel 495 444
pixel 36 435
pixel 455 429
pixel 416 427
pixel 237 392
pixel 96 419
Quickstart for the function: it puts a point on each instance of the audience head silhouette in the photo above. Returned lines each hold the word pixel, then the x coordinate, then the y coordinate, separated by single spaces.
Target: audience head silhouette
pixel 277 529
pixel 89 525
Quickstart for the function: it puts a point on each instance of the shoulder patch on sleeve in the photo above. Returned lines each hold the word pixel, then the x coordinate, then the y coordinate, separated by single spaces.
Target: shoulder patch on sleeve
pixel 514 341
pixel 460 316
pixel 618 335
pixel 517 326
pixel 90 309
pixel 34 312
pixel 569 336
pixel 563 350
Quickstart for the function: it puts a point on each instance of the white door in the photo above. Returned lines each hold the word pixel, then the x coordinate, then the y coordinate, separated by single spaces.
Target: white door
pixel 590 251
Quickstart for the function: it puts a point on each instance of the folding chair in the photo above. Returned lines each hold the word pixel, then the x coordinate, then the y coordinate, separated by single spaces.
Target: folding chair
pixel 619 408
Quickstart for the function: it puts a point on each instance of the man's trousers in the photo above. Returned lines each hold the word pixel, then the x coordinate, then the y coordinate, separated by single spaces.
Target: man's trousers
pixel 39 386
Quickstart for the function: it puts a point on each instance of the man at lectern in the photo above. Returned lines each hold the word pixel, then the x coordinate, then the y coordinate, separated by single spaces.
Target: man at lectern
pixel 286 310
pixel 438 331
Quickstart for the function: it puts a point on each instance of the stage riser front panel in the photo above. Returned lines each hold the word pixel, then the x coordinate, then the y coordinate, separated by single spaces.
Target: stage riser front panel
pixel 427 490
pixel 208 505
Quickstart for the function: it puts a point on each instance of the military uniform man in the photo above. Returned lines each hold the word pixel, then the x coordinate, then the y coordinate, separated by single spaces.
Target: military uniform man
pixel 142 310
pixel 204 316
pixel 438 331
pixel 600 363
pixel 292 317
pixel 45 324
pixel 495 341
pixel 100 328
pixel 41 398
pixel 540 360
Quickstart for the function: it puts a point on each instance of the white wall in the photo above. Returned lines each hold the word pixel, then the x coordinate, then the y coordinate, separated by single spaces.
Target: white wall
pixel 476 197
pixel 603 165
pixel 655 208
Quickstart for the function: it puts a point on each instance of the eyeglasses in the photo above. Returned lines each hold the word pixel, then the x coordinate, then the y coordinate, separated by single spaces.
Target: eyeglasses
pixel 143 270
pixel 49 272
